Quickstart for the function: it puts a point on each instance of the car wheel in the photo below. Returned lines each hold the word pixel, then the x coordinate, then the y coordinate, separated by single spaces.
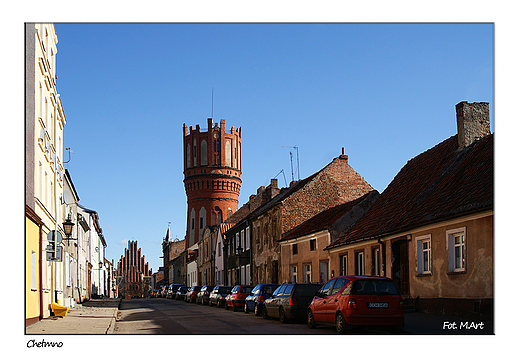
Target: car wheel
pixel 235 308
pixel 310 320
pixel 257 310
pixel 246 310
pixel 264 313
pixel 341 324
pixel 282 316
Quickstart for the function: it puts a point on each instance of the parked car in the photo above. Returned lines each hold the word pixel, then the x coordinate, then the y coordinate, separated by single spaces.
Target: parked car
pixel 218 295
pixel 348 301
pixel 191 294
pixel 163 291
pixel 203 295
pixel 172 290
pixel 237 296
pixel 181 292
pixel 255 301
pixel 290 301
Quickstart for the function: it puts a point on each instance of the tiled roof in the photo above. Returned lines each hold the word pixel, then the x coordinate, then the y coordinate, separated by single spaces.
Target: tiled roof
pixel 322 220
pixel 441 183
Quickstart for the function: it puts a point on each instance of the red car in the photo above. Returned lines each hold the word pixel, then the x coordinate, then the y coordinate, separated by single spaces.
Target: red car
pixel 348 301
pixel 191 295
pixel 237 297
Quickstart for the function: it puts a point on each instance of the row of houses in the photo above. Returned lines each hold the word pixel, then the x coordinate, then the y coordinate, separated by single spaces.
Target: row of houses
pixel 431 230
pixel 64 243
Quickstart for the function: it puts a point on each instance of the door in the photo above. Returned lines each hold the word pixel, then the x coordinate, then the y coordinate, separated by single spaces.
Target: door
pixel 324 271
pixel 400 267
pixel 320 305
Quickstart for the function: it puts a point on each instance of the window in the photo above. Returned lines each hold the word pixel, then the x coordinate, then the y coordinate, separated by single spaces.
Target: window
pixel 359 263
pixel 201 223
pixel 456 250
pixel 294 249
pixel 327 289
pixel 294 273
pixel 248 238
pixel 313 244
pixel 219 249
pixel 343 265
pixel 307 273
pixel 242 238
pixel 340 283
pixel 424 255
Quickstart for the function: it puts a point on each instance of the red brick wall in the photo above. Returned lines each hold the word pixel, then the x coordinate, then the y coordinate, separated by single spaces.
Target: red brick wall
pixel 336 184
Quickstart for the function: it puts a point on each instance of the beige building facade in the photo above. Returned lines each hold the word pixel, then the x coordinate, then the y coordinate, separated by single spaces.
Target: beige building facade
pixel 45 121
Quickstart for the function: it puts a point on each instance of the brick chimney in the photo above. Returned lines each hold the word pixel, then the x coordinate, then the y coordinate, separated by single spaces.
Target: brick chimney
pixel 472 122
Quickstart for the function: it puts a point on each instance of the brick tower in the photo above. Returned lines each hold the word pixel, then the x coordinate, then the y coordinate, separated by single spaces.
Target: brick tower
pixel 212 170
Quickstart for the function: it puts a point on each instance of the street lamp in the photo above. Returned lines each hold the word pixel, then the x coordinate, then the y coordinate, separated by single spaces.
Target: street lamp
pixel 67 227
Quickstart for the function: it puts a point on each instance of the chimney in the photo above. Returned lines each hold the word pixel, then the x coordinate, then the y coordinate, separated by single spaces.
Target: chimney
pixel 472 122
pixel 273 189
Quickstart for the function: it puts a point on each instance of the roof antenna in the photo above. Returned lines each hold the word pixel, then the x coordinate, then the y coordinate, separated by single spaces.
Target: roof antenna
pixel 297 161
pixel 281 171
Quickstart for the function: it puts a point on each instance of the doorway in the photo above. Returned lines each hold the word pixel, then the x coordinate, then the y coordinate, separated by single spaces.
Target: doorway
pixel 400 267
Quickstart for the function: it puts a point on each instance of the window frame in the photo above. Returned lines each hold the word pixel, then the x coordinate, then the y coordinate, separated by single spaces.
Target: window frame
pixel 313 245
pixel 419 243
pixel 451 249
pixel 343 261
pixel 360 266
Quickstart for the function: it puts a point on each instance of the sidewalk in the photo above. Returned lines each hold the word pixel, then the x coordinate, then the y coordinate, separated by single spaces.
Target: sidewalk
pixel 93 317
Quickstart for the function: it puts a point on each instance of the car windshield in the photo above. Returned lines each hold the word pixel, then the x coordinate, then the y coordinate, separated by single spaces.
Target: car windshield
pixel 373 287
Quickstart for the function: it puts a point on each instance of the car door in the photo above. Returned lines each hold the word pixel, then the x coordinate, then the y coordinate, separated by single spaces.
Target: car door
pixel 320 304
pixel 333 299
pixel 272 307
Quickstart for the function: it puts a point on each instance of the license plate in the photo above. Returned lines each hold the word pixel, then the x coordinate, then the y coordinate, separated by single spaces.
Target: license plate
pixel 378 305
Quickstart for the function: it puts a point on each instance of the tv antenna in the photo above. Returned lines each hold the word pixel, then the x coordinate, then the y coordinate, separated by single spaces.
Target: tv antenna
pixel 297 162
pixel 281 171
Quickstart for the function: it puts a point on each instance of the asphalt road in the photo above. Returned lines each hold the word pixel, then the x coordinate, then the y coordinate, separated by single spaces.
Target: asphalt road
pixel 164 316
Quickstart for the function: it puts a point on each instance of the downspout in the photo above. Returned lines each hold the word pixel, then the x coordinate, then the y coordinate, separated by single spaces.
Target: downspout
pixel 383 256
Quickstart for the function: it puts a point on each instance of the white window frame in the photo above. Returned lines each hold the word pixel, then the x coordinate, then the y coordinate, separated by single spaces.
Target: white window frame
pixel 451 246
pixel 344 264
pixel 307 273
pixel 294 273
pixel 360 262
pixel 248 238
pixel 421 251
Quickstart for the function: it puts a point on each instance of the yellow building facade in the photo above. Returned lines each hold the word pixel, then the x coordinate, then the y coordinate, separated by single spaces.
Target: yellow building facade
pixel 45 121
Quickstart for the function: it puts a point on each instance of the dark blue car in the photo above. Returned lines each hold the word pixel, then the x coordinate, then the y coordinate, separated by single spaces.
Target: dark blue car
pixel 255 301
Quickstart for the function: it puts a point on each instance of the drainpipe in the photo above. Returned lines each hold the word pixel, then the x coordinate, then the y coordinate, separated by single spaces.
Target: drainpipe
pixel 383 258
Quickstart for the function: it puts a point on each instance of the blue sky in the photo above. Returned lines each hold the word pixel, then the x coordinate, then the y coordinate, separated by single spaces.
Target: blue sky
pixel 384 92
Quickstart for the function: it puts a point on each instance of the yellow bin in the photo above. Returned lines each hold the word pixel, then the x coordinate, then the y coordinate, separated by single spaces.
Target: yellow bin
pixel 59 310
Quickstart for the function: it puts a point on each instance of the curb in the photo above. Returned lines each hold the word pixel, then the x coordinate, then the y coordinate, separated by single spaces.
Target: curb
pixel 112 325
